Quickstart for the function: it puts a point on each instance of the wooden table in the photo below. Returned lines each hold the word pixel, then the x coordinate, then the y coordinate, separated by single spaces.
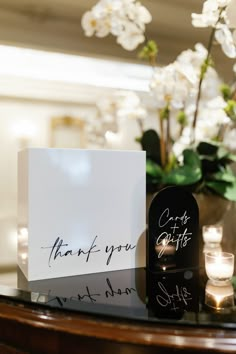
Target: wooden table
pixel 33 328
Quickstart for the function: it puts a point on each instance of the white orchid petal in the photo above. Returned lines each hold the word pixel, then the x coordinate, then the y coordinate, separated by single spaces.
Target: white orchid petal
pixel 209 6
pixel 89 23
pixel 130 41
pixel 225 38
pixel 198 20
pixel 144 14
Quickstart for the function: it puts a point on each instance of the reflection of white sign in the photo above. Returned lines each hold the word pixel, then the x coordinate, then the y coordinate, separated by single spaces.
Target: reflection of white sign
pixel 113 288
pixel 84 211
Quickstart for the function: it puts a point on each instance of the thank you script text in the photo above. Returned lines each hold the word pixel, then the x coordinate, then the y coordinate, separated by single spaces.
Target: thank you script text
pixel 60 249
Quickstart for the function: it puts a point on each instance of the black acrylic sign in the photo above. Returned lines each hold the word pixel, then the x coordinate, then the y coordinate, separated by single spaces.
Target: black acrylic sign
pixel 171 294
pixel 173 231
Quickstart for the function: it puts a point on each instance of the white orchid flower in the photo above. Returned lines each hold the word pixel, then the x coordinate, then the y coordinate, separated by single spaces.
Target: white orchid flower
pixel 223 3
pixel 139 14
pixel 130 37
pixel 224 36
pixel 209 16
pixel 89 24
pixel 93 25
pixel 170 86
pixel 216 103
pixel 204 20
pixel 125 19
pixel 211 11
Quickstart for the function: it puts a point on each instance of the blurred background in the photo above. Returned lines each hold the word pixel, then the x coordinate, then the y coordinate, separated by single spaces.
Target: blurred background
pixel 59 88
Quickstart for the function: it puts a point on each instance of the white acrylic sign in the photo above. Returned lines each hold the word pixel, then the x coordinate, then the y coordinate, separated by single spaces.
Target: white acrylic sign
pixel 80 211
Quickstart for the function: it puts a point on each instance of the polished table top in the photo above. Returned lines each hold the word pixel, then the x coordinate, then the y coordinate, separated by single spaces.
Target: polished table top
pixel 180 311
pixel 185 297
pixel 129 311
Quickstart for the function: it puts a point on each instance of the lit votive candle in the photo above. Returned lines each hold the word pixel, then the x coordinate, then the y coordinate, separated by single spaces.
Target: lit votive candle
pixel 219 266
pixel 219 297
pixel 212 233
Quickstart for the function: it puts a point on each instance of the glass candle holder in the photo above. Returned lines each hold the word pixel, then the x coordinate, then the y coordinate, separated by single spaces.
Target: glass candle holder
pixel 212 233
pixel 212 247
pixel 219 266
pixel 219 297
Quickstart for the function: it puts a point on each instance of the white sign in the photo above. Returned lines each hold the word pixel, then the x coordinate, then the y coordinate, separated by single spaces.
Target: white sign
pixel 80 211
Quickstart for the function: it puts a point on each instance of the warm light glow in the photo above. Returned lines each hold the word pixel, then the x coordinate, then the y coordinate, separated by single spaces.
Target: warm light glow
pixel 219 297
pixel 23 235
pixel 110 135
pixel 13 238
pixel 23 232
pixel 219 265
pixel 218 301
pixel 164 242
pixel 23 129
pixel 212 234
pixel 24 256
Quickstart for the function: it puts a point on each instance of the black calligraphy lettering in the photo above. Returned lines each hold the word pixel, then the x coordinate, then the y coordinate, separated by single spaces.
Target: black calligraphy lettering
pixel 111 250
pixel 58 250
pixel 111 292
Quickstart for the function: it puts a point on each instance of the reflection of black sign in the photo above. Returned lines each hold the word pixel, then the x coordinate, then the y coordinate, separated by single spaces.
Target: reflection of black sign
pixel 173 230
pixel 171 294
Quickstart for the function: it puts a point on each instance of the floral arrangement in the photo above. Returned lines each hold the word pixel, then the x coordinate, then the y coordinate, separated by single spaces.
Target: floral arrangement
pixel 196 112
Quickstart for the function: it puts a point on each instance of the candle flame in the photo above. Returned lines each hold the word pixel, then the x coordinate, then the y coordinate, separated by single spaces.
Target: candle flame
pixel 218 299
pixel 164 242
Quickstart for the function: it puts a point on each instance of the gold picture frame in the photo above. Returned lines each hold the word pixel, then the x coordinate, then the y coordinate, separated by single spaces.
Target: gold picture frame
pixel 67 132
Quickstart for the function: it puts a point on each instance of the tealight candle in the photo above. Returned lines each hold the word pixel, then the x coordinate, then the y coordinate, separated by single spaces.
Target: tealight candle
pixel 212 233
pixel 219 266
pixel 219 297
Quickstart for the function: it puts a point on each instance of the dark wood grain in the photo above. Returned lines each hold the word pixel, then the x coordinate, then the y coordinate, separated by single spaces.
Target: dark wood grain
pixel 30 328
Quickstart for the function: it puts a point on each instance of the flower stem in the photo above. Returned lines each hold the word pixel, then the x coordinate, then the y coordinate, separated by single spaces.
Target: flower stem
pixel 204 68
pixel 202 75
pixel 140 124
pixel 162 142
pixel 168 136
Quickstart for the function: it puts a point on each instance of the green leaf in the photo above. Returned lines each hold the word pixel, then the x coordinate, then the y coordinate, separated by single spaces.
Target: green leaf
pixel 189 173
pixel 224 176
pixel 182 176
pixel 191 158
pixel 222 152
pixel 233 281
pixel 153 169
pixel 231 157
pixel 226 190
pixel 150 142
